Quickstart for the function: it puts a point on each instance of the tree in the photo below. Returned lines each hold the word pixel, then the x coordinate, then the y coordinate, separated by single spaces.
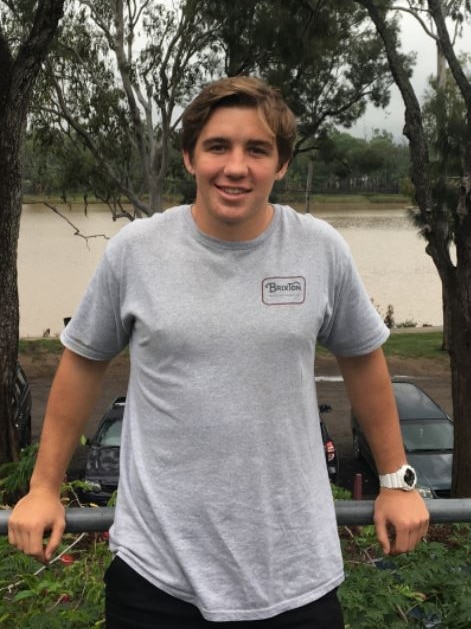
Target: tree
pixel 116 83
pixel 26 31
pixel 323 56
pixel 122 73
pixel 443 223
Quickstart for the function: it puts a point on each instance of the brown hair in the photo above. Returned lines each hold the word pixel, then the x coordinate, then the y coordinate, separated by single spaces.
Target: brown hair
pixel 242 91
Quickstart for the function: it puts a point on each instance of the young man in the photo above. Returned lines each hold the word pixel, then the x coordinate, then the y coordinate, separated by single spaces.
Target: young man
pixel 224 514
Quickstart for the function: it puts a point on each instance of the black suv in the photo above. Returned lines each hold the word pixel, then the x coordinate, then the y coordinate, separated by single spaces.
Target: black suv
pixel 22 407
pixel 102 468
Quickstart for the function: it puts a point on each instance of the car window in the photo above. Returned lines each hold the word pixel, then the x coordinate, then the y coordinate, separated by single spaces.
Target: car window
pixel 427 435
pixel 413 403
pixel 110 434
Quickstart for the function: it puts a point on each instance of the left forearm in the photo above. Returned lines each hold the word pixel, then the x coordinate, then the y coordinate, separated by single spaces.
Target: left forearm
pixel 368 385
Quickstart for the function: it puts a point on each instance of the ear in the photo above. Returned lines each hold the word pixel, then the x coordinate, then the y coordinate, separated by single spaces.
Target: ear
pixel 281 172
pixel 187 162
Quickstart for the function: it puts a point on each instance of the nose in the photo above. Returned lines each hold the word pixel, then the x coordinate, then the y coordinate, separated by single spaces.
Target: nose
pixel 236 163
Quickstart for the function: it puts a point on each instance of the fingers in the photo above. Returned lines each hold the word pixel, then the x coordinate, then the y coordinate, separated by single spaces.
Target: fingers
pixel 28 539
pixel 28 525
pixel 407 536
pixel 54 541
pixel 401 521
pixel 383 536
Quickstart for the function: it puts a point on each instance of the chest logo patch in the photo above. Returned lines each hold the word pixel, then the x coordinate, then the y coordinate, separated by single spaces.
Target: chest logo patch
pixel 280 291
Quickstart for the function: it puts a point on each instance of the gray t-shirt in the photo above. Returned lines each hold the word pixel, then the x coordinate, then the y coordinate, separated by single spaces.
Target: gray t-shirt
pixel 224 499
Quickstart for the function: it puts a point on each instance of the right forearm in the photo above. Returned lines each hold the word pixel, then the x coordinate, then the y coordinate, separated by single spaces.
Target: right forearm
pixel 71 400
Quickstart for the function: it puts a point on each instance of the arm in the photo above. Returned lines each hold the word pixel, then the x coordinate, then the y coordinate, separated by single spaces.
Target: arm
pixel 369 388
pixel 73 393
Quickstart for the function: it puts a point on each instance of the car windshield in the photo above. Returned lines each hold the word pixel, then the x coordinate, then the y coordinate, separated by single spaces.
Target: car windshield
pixel 420 436
pixel 413 403
pixel 110 434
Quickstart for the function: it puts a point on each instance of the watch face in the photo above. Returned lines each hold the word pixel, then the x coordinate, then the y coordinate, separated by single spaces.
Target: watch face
pixel 409 477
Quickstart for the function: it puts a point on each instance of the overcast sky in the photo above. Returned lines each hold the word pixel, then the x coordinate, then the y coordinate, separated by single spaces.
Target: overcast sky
pixel 392 118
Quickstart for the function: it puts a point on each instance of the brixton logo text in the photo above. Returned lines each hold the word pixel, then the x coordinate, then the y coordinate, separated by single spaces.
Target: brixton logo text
pixel 279 291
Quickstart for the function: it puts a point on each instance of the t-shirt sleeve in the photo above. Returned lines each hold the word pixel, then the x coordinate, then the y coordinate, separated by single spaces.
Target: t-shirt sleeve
pixel 97 330
pixel 351 325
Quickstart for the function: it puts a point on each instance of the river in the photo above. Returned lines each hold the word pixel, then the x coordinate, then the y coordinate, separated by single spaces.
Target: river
pixel 54 265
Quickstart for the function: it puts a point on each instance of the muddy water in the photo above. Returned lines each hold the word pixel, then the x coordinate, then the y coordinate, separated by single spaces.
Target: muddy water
pixel 55 265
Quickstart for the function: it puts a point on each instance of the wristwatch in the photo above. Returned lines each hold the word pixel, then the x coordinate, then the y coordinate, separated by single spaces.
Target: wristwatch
pixel 405 478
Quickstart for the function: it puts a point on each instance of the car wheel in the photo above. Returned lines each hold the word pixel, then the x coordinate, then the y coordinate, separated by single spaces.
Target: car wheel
pixel 356 446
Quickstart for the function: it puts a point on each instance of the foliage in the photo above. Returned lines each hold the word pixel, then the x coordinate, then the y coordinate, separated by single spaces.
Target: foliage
pixel 324 57
pixel 429 584
pixel 15 476
pixel 67 593
pixel 344 163
pixel 443 205
pixel 416 345
pixel 35 347
pixel 427 588
pixel 110 102
pixel 26 31
pixel 112 95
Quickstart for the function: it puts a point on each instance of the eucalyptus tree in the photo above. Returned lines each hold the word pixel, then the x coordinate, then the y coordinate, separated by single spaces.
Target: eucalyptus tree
pixel 122 73
pixel 446 223
pixel 26 31
pixel 116 83
pixel 325 58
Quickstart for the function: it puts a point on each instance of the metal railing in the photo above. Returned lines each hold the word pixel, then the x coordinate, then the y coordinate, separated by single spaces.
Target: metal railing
pixel 349 512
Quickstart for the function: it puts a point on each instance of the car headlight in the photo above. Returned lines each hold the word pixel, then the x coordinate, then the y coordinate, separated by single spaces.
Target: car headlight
pixel 425 492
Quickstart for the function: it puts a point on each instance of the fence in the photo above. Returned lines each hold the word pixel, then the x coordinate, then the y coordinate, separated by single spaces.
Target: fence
pixel 349 512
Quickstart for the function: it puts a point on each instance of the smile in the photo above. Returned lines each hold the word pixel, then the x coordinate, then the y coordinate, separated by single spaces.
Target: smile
pixel 233 191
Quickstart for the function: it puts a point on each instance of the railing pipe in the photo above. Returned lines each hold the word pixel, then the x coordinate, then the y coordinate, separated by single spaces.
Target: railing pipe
pixel 349 512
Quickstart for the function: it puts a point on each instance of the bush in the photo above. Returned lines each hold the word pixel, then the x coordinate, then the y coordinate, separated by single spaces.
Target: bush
pixel 67 593
pixel 430 587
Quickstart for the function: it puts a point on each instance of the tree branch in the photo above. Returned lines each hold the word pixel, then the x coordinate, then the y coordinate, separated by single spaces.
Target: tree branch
pixel 77 231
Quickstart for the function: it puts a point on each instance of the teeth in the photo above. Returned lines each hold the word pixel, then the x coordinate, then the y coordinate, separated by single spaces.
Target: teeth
pixel 233 190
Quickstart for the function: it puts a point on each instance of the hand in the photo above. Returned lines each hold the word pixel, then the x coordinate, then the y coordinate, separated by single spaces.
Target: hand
pixel 401 519
pixel 35 515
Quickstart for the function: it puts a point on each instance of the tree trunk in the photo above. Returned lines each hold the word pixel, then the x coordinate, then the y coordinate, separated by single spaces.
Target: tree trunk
pixel 460 360
pixel 17 76
pixel 10 209
pixel 456 278
pixel 307 197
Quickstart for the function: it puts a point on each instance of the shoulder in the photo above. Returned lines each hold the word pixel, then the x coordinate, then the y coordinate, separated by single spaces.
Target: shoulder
pixel 310 230
pixel 148 232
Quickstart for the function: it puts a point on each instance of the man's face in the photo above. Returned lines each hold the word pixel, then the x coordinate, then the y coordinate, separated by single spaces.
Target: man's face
pixel 235 164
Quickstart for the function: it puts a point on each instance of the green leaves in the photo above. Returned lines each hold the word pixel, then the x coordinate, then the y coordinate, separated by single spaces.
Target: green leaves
pixel 430 585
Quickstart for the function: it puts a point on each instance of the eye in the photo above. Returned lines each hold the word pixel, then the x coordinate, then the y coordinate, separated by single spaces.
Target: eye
pixel 216 147
pixel 259 150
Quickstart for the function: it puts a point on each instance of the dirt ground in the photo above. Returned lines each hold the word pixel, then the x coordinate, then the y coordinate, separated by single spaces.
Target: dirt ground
pixel 432 375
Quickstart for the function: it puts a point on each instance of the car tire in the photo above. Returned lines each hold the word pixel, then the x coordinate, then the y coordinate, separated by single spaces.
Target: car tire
pixel 356 446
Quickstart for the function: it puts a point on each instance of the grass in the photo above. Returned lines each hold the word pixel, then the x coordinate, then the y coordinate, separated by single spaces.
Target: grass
pixel 425 345
pixel 416 345
pixel 35 347
pixel 402 344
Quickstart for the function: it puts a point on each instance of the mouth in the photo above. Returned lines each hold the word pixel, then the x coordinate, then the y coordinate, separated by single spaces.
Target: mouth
pixel 233 191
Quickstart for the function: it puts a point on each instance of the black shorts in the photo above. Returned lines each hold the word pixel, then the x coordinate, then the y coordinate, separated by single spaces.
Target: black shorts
pixel 134 603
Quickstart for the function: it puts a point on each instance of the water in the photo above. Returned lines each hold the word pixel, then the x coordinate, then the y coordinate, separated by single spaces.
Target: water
pixel 55 265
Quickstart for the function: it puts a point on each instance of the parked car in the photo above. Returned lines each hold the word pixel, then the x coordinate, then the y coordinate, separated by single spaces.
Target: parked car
pixel 427 432
pixel 22 407
pixel 102 467
pixel 331 456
